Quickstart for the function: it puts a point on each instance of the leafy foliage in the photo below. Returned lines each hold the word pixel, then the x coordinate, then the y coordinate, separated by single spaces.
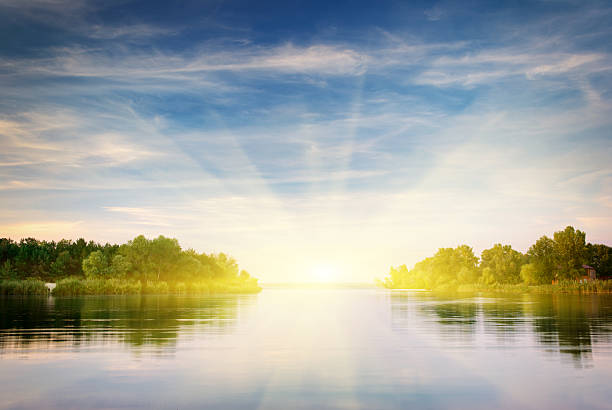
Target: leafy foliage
pixel 46 260
pixel 446 269
pixel 156 264
pixel 501 266
pixel 542 255
pixel 530 274
pixel 570 253
pixel 600 257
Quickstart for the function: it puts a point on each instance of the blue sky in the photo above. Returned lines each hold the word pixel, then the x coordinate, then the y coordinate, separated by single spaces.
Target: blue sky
pixel 306 137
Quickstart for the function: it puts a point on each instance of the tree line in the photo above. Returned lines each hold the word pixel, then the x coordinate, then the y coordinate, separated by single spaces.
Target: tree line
pixel 560 257
pixel 158 259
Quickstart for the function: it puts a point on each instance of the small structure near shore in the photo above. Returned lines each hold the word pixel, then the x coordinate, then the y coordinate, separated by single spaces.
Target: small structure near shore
pixel 50 287
pixel 587 275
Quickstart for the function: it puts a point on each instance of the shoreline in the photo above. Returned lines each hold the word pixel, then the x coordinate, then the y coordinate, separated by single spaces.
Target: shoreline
pixel 568 287
pixel 114 286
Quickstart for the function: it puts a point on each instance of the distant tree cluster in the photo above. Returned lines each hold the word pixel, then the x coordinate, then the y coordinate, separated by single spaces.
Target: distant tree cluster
pixel 158 259
pixel 560 257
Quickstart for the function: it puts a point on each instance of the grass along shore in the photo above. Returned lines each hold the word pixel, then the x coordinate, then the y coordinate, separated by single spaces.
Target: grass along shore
pixel 23 287
pixel 81 286
pixel 570 286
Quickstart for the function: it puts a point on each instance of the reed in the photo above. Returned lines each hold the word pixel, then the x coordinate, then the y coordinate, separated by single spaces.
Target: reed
pixel 23 287
pixel 570 286
pixel 75 286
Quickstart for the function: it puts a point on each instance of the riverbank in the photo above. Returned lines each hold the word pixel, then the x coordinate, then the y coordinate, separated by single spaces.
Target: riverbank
pixel 80 286
pixel 569 287
pixel 23 287
pixel 572 287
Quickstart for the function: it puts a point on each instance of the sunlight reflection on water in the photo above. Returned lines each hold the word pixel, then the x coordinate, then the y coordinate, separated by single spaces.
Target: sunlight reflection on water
pixel 288 348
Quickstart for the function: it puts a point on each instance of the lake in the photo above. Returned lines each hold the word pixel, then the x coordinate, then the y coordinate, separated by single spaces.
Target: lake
pixel 289 348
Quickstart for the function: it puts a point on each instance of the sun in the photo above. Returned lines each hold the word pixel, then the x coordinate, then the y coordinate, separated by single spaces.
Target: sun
pixel 324 274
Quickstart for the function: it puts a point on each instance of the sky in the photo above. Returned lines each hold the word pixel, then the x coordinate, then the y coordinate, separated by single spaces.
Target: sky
pixel 312 141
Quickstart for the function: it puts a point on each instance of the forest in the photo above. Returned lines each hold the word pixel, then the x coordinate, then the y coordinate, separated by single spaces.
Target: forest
pixel 155 265
pixel 558 259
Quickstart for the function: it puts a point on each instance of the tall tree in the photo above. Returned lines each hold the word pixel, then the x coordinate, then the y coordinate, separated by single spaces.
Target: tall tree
pixel 570 252
pixel 95 265
pixel 502 264
pixel 164 254
pixel 599 256
pixel 137 253
pixel 542 256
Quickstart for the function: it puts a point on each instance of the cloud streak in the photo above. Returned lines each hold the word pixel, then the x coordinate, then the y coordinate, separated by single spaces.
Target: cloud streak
pixel 364 147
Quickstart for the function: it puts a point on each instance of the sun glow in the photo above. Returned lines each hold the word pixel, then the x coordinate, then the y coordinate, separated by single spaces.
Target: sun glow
pixel 324 274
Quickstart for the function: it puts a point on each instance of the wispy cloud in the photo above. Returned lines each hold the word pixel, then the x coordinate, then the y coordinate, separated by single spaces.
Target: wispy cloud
pixel 365 147
pixel 131 32
pixel 127 65
pixel 435 13
pixel 39 138
pixel 44 227
pixel 490 67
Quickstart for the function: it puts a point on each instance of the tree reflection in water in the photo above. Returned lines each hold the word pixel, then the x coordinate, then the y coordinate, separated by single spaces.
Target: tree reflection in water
pixel 568 324
pixel 138 321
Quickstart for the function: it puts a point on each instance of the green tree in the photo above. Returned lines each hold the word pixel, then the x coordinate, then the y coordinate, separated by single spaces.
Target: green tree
pixel 445 270
pixel 542 255
pixel 228 267
pixel 189 267
pixel 530 274
pixel 160 258
pixel 7 270
pixel 153 259
pixel 570 252
pixel 488 278
pixel 447 263
pixel 599 256
pixel 164 254
pixel 62 266
pixel 137 253
pixel 95 265
pixel 34 258
pixel 119 266
pixel 397 278
pixel 504 262
pixel 467 275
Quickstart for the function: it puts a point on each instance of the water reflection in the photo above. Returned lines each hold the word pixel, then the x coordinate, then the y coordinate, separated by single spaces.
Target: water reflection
pixel 289 348
pixel 571 325
pixel 137 321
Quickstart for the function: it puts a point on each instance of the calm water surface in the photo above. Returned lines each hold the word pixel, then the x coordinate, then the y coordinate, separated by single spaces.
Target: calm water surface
pixel 289 348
